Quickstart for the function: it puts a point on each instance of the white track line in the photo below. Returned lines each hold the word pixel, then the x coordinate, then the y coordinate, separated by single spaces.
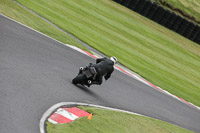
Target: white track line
pixel 122 70
pixel 135 77
pixel 58 105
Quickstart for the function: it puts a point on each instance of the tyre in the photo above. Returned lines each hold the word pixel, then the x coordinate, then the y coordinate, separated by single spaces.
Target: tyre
pixel 189 30
pixel 79 79
pixel 133 4
pixel 126 2
pixel 183 26
pixel 158 14
pixel 176 23
pixel 171 20
pixel 146 8
pixel 118 1
pixel 197 39
pixel 140 5
pixel 194 33
pixel 165 17
pixel 152 10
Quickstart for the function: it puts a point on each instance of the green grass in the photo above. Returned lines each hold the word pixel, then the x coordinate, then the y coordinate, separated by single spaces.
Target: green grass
pixel 189 7
pixel 12 10
pixel 161 56
pixel 107 121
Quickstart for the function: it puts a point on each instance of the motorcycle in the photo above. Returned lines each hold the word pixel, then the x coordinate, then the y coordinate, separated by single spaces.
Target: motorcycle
pixel 86 75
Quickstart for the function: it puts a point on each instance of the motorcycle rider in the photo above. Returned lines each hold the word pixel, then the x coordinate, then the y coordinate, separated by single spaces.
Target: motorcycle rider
pixel 104 67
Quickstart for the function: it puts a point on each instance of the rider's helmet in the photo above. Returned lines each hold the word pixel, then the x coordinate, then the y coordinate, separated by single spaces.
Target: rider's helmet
pixel 113 59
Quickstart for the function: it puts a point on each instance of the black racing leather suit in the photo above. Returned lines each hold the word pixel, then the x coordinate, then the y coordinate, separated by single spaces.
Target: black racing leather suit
pixel 104 67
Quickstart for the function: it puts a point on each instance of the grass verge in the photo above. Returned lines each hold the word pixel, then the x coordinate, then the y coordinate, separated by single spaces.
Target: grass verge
pixel 14 11
pixel 161 56
pixel 187 8
pixel 107 121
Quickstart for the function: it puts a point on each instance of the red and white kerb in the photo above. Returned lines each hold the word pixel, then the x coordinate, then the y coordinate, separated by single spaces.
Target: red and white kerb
pixel 66 115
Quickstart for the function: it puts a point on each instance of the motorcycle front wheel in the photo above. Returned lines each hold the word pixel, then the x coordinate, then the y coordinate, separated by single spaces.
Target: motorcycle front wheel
pixel 79 79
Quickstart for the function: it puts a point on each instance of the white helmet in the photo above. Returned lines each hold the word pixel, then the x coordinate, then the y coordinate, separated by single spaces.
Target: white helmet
pixel 113 59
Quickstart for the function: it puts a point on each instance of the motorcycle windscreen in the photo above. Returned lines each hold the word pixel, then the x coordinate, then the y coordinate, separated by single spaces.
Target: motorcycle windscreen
pixel 88 74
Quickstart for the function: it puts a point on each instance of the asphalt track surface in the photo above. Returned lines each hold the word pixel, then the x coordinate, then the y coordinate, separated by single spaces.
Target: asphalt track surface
pixel 36 73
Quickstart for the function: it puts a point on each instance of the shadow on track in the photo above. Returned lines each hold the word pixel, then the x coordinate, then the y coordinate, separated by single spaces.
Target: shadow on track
pixel 85 89
pixel 93 94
